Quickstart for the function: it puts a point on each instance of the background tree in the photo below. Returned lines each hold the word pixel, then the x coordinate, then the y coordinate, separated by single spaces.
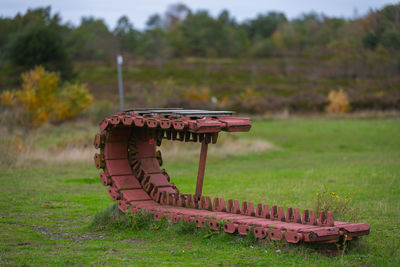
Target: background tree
pixel 154 44
pixel 263 26
pixel 225 18
pixel 126 34
pixel 34 38
pixel 174 15
pixel 154 21
pixel 203 36
pixel 92 40
pixel 179 32
pixel 40 45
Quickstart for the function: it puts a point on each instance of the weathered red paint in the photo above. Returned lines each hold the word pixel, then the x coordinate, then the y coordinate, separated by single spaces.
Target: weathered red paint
pixel 260 232
pixel 201 171
pixel 131 169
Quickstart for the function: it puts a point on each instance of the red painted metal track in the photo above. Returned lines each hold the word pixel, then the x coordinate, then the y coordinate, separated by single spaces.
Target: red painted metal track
pixel 131 171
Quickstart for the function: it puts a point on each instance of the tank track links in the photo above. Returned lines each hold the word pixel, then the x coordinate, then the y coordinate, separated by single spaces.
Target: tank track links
pixel 131 171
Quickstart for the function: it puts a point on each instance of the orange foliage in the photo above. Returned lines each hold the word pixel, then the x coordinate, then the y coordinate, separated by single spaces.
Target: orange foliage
pixel 202 94
pixel 41 99
pixel 338 102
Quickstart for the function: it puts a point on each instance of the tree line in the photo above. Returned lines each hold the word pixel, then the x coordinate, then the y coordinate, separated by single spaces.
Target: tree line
pixel 39 37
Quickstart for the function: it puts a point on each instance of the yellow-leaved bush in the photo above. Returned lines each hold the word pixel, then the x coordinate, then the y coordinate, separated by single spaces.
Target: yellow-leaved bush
pixel 202 94
pixel 338 102
pixel 42 99
pixel 75 99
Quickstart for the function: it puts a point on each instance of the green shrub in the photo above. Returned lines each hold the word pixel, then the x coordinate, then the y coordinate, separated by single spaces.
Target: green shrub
pixel 263 48
pixel 143 220
pixel 185 228
pixel 40 45
pixel 339 205
pixel 113 218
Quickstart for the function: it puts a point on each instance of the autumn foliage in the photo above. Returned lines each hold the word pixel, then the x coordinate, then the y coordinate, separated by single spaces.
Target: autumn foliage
pixel 338 102
pixel 42 98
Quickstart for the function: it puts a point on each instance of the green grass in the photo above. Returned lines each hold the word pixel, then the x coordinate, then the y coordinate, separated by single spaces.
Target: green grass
pixel 47 210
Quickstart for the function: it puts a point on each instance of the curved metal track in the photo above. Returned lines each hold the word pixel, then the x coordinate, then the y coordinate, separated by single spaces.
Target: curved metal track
pixel 131 170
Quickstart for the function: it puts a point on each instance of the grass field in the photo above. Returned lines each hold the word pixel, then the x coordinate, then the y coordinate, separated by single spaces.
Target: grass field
pixel 47 203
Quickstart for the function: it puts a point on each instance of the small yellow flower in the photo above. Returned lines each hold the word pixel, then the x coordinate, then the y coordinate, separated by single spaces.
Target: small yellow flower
pixel 337 197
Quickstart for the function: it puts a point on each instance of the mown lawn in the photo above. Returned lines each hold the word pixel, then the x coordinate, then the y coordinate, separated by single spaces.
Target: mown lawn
pixel 46 208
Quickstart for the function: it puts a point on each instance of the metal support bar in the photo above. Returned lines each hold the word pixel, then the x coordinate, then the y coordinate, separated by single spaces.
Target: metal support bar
pixel 120 84
pixel 202 167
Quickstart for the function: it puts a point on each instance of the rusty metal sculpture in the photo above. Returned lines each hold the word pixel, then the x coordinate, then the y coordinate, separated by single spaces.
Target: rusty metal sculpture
pixel 131 169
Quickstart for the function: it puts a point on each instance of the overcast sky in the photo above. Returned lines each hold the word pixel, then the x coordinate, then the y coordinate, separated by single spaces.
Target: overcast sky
pixel 139 11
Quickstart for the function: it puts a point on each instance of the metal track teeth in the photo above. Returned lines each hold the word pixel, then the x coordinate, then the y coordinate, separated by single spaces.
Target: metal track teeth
pixel 131 170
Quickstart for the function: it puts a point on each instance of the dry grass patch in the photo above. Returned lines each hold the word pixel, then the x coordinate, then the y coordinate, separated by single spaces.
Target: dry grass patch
pixel 80 149
pixel 50 155
pixel 225 147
